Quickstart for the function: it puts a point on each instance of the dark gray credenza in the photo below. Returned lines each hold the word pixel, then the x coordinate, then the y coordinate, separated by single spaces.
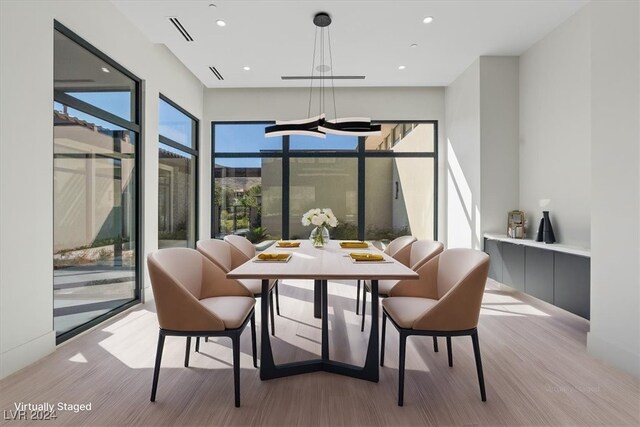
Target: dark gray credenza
pixel 556 274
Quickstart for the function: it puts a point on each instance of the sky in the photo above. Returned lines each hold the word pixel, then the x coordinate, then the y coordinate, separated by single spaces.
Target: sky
pixel 236 138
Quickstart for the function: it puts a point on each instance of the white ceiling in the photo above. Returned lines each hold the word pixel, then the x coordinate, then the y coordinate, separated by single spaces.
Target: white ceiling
pixel 370 38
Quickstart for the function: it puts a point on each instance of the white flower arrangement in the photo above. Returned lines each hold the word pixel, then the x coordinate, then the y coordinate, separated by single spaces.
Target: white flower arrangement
pixel 320 218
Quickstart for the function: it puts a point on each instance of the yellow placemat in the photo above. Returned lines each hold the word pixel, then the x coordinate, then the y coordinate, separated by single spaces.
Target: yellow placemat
pixel 354 245
pixel 284 244
pixel 364 256
pixel 273 257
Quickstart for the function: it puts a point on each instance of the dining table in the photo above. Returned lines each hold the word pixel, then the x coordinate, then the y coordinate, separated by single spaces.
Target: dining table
pixel 330 262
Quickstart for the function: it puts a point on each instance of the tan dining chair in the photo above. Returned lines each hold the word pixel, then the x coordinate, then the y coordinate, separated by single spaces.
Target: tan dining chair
pixel 194 298
pixel 242 251
pixel 444 302
pixel 420 251
pixel 220 252
pixel 398 248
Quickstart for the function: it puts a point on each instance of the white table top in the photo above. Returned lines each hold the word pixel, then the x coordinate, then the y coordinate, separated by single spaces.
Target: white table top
pixel 574 250
pixel 328 263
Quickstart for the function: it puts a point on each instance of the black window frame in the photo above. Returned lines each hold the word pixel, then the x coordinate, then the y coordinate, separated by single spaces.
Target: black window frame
pixel 194 150
pixel 361 154
pixel 135 126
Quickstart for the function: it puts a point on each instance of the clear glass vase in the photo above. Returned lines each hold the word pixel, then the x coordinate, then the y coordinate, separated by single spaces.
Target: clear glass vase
pixel 319 236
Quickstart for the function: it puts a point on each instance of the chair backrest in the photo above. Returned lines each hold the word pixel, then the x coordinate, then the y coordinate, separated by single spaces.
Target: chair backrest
pixel 422 251
pixel 216 251
pixel 400 249
pixel 242 250
pixel 180 277
pixel 461 278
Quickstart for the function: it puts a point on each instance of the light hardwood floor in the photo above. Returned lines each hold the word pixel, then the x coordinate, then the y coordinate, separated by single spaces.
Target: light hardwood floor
pixel 536 368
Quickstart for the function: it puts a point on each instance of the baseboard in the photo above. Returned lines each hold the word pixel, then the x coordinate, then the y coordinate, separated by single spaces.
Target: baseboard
pixel 24 355
pixel 613 354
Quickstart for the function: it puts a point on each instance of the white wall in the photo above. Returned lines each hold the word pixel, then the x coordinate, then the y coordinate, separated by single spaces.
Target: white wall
pixel 462 170
pixel 555 127
pixel 499 150
pixel 482 150
pixel 26 152
pixel 407 103
pixel 615 179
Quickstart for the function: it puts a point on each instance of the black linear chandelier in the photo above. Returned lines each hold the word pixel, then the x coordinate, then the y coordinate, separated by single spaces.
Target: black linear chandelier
pixel 319 125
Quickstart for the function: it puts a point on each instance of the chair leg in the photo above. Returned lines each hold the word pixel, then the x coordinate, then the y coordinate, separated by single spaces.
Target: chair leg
pixel 401 360
pixel 384 332
pixel 273 317
pixel 358 299
pixel 364 306
pixel 476 352
pixel 277 297
pixel 235 342
pixel 435 344
pixel 186 353
pixel 197 344
pixel 156 369
pixel 253 340
pixel 449 351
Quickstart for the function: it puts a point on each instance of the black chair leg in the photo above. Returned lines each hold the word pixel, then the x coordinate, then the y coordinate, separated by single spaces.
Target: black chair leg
pixel 253 340
pixel 435 344
pixel 197 344
pixel 476 352
pixel 358 299
pixel 384 332
pixel 401 360
pixel 277 297
pixel 156 369
pixel 449 351
pixel 364 305
pixel 186 353
pixel 235 341
pixel 273 317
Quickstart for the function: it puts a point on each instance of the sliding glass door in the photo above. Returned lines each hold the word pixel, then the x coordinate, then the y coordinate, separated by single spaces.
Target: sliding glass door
pixel 96 138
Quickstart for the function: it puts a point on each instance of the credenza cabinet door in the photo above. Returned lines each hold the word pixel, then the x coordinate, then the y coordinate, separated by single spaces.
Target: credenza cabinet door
pixel 494 249
pixel 538 280
pixel 513 265
pixel 572 283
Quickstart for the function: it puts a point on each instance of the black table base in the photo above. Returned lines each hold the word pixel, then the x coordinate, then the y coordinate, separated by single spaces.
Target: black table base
pixel 369 372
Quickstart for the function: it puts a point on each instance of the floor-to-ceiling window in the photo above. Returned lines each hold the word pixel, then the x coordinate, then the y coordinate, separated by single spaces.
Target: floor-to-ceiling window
pixel 379 187
pixel 96 136
pixel 177 176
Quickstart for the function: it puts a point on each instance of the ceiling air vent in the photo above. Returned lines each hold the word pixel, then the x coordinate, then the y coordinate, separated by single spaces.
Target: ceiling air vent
pixel 216 73
pixel 176 23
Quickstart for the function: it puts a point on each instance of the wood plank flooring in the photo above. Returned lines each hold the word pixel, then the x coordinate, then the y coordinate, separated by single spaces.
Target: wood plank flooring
pixel 536 368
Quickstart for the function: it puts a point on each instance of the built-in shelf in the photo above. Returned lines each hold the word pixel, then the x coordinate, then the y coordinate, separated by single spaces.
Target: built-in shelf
pixel 558 274
pixel 573 250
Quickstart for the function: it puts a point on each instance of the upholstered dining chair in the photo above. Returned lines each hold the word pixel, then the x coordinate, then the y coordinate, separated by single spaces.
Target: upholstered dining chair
pixel 420 251
pixel 243 250
pixel 398 248
pixel 444 301
pixel 194 298
pixel 220 253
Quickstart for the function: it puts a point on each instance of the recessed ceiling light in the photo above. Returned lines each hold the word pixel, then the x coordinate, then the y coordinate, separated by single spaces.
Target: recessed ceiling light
pixel 428 20
pixel 221 23
pixel 105 70
pixel 402 67
pixel 414 45
pixel 246 68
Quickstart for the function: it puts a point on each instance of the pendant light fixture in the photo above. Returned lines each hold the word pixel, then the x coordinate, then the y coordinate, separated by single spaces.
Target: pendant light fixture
pixel 319 126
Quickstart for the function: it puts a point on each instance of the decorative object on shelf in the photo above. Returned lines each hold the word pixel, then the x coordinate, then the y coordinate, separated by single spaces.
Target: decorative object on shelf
pixel 516 225
pixel 319 126
pixel 545 230
pixel 322 219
